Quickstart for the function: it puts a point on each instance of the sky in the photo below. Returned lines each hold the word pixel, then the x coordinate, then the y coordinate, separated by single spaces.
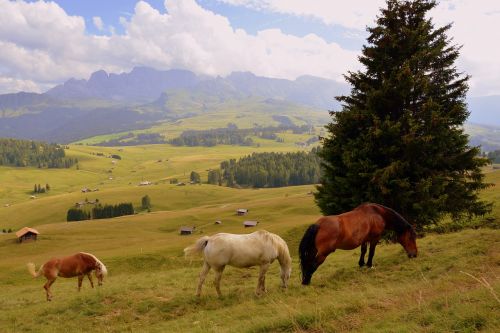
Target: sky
pixel 44 43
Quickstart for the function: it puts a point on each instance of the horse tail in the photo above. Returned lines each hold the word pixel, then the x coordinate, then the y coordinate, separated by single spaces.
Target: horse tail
pixel 197 247
pixel 307 248
pixel 33 272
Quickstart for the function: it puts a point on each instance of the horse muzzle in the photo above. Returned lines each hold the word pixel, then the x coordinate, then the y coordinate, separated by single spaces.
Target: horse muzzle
pixel 412 255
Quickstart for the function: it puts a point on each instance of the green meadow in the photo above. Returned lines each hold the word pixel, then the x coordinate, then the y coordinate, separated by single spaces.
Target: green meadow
pixel 453 286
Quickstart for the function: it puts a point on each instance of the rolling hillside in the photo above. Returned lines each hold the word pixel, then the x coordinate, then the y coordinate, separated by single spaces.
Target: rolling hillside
pixel 151 286
pixel 146 99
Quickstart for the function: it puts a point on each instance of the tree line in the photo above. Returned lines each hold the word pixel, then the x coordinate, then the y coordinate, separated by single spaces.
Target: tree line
pixel 130 139
pixel 100 212
pixel 232 135
pixel 37 188
pixel 494 156
pixel 269 170
pixel 24 153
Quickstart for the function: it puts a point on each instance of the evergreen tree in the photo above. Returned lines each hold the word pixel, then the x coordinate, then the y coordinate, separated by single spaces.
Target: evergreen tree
pixel 146 202
pixel 214 177
pixel 195 177
pixel 399 139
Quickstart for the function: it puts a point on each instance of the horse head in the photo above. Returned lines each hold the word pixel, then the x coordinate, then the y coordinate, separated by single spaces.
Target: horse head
pixel 100 272
pixel 408 239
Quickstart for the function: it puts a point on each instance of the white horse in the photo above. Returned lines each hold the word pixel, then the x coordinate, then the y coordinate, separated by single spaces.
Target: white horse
pixel 258 248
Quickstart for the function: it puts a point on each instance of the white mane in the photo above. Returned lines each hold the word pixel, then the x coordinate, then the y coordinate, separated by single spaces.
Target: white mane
pixel 103 268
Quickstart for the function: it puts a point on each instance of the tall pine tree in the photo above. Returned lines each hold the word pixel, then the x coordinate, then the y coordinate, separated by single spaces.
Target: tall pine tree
pixel 399 139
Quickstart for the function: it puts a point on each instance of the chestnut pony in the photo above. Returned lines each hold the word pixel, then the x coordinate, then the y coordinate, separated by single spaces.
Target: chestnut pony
pixel 364 224
pixel 79 264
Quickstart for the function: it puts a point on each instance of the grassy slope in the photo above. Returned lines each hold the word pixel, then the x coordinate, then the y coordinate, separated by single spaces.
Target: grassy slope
pixel 151 286
pixel 244 115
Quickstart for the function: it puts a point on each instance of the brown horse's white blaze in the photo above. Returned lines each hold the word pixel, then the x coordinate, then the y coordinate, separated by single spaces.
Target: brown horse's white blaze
pixel 80 265
pixel 259 248
pixel 362 226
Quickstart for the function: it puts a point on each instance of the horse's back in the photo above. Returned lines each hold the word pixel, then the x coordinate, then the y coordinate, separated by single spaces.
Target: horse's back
pixel 350 229
pixel 76 264
pixel 240 250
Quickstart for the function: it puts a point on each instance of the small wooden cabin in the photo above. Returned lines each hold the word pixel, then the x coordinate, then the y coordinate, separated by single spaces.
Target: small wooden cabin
pixel 27 234
pixel 186 230
pixel 249 224
pixel 242 211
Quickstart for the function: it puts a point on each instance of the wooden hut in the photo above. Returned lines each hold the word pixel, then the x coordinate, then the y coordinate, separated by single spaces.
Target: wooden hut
pixel 242 211
pixel 27 234
pixel 186 230
pixel 250 224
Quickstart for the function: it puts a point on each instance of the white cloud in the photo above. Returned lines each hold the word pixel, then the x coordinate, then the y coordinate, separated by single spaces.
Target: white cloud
pixel 10 85
pixel 476 26
pixel 98 23
pixel 41 45
pixel 40 42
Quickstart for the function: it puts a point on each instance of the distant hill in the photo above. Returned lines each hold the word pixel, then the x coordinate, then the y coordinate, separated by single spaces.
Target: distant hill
pixel 107 103
pixel 485 110
pixel 141 85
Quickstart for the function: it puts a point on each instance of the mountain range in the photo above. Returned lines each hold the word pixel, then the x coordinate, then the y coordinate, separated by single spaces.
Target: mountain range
pixel 107 103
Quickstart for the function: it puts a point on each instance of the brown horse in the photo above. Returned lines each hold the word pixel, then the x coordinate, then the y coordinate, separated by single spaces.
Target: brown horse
pixel 365 224
pixel 79 264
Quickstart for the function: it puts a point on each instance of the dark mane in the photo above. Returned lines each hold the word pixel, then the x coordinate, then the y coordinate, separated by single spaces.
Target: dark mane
pixel 396 222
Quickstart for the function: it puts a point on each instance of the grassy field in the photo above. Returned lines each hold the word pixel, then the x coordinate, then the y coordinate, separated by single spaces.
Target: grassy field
pixel 453 286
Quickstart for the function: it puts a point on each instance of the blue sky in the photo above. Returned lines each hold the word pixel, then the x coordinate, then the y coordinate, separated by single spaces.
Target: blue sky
pixel 46 42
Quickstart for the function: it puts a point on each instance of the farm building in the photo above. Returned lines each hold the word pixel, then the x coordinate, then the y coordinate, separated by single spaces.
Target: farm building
pixel 249 224
pixel 242 211
pixel 145 183
pixel 187 230
pixel 27 234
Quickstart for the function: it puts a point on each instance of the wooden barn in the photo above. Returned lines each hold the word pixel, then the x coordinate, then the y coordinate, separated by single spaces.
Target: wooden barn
pixel 250 224
pixel 27 234
pixel 242 211
pixel 186 230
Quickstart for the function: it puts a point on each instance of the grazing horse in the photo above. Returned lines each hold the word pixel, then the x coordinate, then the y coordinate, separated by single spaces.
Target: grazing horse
pixel 365 224
pixel 79 264
pixel 258 248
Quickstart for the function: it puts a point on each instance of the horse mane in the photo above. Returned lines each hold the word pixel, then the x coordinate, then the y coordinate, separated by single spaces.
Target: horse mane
pixel 103 268
pixel 398 223
pixel 280 244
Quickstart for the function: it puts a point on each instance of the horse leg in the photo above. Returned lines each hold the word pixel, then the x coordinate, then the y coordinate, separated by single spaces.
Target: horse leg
pixel 261 284
pixel 90 279
pixel 362 256
pixel 218 275
pixel 47 288
pixel 203 275
pixel 373 244
pixel 80 279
